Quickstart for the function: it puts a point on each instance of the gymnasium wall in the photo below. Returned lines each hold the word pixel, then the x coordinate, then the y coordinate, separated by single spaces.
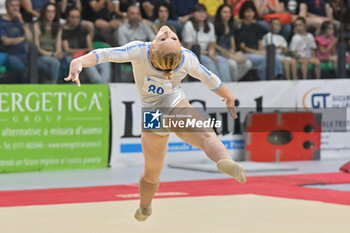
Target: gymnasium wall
pixel 325 96
pixel 47 127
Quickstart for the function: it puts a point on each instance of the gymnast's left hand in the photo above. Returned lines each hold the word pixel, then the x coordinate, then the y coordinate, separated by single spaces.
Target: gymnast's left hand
pixel 230 104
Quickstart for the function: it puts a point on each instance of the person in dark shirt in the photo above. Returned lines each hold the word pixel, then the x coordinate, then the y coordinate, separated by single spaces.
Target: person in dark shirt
pixel 31 8
pixel 316 12
pixel 66 5
pixel 77 42
pixel 120 7
pixel 100 12
pixel 226 45
pixel 338 8
pixel 148 8
pixel 345 32
pixel 183 9
pixel 163 12
pixel 249 40
pixel 13 39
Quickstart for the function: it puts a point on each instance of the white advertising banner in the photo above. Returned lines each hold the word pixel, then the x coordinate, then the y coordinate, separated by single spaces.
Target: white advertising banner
pixel 332 98
pixel 250 96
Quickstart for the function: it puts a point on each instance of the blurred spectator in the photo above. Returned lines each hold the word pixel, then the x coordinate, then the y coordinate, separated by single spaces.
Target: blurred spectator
pixel 249 40
pixel 100 12
pixel 273 37
pixel 327 44
pixel 338 8
pixel 236 5
pixel 292 7
pixel 163 13
pixel 120 7
pixel 315 12
pixel 303 45
pixel 77 42
pixel 148 8
pixel 345 30
pixel 13 38
pixel 226 45
pixel 268 9
pixel 31 9
pixel 2 7
pixel 134 28
pixel 212 6
pixel 66 5
pixel 199 31
pixel 183 9
pixel 48 39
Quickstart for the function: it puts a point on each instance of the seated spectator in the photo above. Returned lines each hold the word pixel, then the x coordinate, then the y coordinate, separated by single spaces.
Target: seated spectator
pixel 100 13
pixel 2 7
pixel 289 64
pixel 236 5
pixel 212 6
pixel 31 9
pixel 183 9
pixel 134 28
pixel 315 12
pixel 292 7
pixel 77 42
pixel 163 14
pixel 346 30
pixel 249 40
pixel 66 5
pixel 226 45
pixel 13 38
pixel 327 44
pixel 303 46
pixel 338 8
pixel 48 39
pixel 199 31
pixel 274 7
pixel 148 8
pixel 120 7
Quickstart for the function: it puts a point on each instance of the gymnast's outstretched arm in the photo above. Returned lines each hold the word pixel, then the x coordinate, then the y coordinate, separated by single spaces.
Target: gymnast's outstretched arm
pixel 127 53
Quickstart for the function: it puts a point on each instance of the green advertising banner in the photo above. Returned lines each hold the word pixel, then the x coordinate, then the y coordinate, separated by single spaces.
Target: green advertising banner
pixel 50 127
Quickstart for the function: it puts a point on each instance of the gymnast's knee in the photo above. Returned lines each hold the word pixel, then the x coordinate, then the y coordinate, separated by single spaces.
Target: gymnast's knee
pixel 150 177
pixel 206 138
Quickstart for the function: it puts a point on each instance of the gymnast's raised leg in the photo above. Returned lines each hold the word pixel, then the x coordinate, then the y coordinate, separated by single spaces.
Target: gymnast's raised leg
pixel 210 143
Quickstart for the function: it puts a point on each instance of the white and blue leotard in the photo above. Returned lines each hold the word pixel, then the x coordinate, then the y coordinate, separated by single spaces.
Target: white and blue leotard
pixel 153 89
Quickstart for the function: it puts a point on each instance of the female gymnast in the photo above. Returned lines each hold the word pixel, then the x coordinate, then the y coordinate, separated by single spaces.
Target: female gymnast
pixel 163 62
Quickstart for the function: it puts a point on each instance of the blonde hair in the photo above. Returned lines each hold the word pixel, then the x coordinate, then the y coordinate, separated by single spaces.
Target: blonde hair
pixel 167 62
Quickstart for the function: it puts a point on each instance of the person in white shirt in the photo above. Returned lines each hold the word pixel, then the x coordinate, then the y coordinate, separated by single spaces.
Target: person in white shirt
pixel 159 67
pixel 201 32
pixel 303 45
pixel 273 37
pixel 2 7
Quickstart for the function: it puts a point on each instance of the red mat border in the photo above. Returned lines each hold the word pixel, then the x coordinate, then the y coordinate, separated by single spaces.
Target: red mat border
pixel 285 186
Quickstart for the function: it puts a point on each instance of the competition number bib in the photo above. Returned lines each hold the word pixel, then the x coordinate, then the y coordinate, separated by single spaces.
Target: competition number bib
pixel 157 86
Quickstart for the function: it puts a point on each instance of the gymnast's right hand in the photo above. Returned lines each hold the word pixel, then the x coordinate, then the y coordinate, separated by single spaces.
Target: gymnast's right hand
pixel 74 71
